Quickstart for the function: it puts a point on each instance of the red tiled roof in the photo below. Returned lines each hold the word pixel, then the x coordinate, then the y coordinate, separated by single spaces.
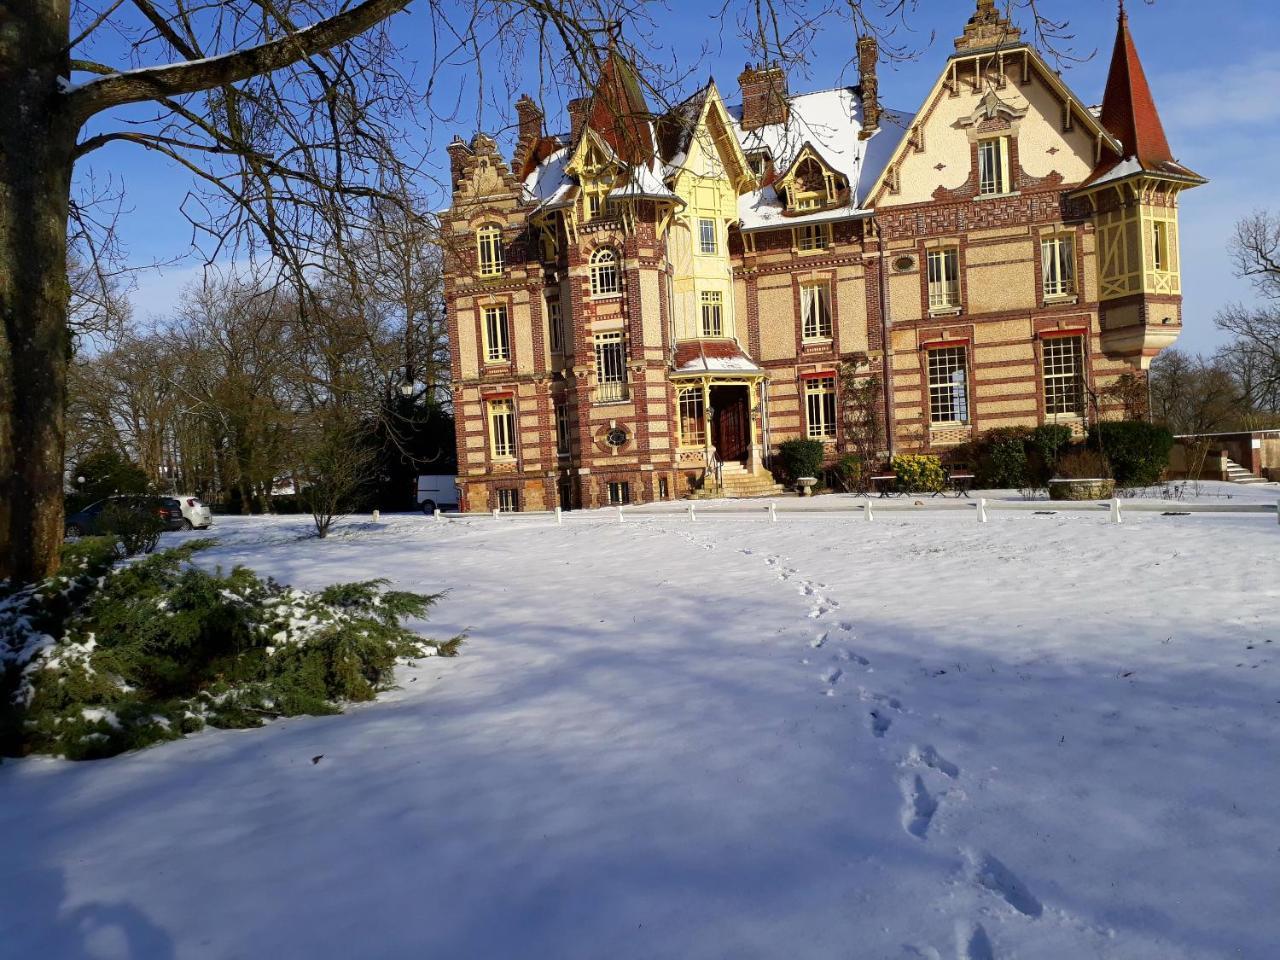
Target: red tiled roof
pixel 1128 109
pixel 710 356
pixel 619 112
pixel 1129 113
pixel 544 148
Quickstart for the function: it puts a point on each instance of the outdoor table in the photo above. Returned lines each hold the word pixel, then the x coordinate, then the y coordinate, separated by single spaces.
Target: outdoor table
pixel 960 483
pixel 883 483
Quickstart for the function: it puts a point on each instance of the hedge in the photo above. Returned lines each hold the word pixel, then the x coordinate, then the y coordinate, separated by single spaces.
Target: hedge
pixel 1137 451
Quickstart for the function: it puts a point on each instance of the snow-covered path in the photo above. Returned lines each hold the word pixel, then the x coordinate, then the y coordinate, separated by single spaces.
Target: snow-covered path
pixel 1041 737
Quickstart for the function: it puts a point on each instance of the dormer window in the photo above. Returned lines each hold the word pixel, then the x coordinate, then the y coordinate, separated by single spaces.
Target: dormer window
pixel 758 161
pixel 812 186
pixel 993 166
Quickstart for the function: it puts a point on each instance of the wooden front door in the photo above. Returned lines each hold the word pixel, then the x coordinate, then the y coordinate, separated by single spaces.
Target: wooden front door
pixel 731 429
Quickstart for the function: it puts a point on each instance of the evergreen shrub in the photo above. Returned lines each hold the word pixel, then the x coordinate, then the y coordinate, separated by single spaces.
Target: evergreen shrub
pixel 918 472
pixel 1045 445
pixel 98 661
pixel 800 457
pixel 1137 451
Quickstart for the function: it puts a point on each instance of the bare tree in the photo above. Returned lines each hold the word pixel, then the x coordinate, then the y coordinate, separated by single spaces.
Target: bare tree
pixel 1255 355
pixel 289 120
pixel 1190 394
pixel 310 91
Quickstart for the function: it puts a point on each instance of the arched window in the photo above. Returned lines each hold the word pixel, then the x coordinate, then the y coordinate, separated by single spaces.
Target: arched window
pixel 489 250
pixel 604 273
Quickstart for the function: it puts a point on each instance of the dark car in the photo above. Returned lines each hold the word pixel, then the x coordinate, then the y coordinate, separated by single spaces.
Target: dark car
pixel 88 520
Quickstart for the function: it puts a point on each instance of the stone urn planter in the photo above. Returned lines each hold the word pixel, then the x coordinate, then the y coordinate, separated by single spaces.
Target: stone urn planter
pixel 806 484
pixel 1096 488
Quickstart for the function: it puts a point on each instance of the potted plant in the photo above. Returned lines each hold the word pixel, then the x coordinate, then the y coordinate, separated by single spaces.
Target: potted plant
pixel 1082 474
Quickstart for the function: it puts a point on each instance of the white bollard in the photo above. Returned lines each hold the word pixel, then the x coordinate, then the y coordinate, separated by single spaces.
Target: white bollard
pixel 496 513
pixel 692 516
pixel 437 514
pixel 982 509
pixel 376 516
pixel 619 514
pixel 773 512
pixel 1116 515
pixel 559 517
pixel 866 509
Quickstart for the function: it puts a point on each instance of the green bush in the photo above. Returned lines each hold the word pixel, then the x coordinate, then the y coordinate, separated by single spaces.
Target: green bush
pixel 134 525
pixel 848 474
pixel 800 458
pixel 101 474
pixel 998 457
pixel 159 648
pixel 918 473
pixel 1137 451
pixel 1045 445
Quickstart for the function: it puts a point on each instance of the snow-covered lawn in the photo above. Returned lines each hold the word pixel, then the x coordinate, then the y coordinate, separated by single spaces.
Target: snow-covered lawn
pixel 1042 737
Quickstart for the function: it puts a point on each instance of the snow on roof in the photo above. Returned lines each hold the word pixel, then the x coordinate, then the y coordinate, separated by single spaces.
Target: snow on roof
pixel 547 185
pixel 829 122
pixel 712 356
pixel 643 182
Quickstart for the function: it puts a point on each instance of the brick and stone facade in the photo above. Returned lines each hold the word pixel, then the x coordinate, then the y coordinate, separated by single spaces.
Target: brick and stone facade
pixel 677 292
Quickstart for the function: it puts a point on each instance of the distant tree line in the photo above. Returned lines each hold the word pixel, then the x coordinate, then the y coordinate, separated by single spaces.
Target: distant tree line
pixel 1238 387
pixel 251 393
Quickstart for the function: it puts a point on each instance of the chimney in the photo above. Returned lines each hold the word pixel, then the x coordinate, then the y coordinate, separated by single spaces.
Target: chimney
pixel 764 96
pixel 459 153
pixel 578 108
pixel 529 131
pixel 868 86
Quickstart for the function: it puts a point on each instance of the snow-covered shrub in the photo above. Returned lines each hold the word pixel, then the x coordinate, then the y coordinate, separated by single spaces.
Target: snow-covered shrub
pixel 153 650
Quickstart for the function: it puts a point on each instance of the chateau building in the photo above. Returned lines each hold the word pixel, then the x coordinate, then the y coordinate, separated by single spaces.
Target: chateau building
pixel 650 303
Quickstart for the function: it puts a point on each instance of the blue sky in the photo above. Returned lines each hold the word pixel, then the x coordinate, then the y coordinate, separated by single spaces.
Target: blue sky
pixel 1215 76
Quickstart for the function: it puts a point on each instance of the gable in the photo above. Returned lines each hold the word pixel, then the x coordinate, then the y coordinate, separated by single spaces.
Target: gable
pixel 1057 140
pixel 808 165
pixel 592 157
pixel 712 139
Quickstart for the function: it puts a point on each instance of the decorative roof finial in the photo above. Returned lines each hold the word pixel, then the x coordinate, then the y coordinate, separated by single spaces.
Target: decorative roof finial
pixel 1123 15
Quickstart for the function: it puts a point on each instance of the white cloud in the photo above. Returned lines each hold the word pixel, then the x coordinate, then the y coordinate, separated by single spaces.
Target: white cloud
pixel 1233 94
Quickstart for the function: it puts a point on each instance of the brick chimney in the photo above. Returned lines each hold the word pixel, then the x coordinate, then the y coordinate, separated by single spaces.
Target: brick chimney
pixel 578 108
pixel 868 86
pixel 764 96
pixel 529 130
pixel 459 153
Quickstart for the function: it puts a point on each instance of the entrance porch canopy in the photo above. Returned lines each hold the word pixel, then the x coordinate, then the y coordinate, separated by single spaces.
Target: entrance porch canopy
pixel 716 365
pixel 716 360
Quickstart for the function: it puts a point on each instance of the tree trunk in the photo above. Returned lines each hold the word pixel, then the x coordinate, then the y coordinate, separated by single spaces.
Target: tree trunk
pixel 37 144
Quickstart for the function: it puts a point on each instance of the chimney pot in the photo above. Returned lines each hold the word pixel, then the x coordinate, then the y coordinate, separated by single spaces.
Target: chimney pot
pixel 764 96
pixel 868 85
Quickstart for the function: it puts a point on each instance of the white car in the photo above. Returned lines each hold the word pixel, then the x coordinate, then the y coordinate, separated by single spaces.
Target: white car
pixel 195 515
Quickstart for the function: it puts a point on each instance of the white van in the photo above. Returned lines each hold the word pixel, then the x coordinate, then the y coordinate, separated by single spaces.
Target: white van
pixel 437 490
